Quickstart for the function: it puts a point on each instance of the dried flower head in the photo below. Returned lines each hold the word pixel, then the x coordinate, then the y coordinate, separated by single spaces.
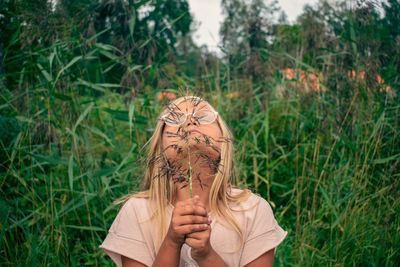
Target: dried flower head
pixel 187 149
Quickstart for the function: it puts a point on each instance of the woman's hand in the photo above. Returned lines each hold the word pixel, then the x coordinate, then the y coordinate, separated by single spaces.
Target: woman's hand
pixel 188 217
pixel 202 251
pixel 200 244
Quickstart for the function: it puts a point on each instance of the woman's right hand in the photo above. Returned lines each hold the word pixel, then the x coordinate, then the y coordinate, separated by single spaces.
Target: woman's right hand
pixel 188 216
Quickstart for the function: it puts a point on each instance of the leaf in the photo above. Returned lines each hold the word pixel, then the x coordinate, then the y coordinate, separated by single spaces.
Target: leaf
pixel 72 62
pixel 298 61
pixel 109 55
pixel 90 85
pixel 15 37
pixel 24 119
pixel 52 160
pixel 385 160
pixel 163 29
pixel 107 47
pixel 110 207
pixel 98 34
pixel 318 233
pixel 377 126
pixel 132 24
pixel 98 132
pixel 110 67
pixel 131 110
pixel 6 105
pixel 82 116
pixel 88 228
pixel 17 141
pixel 266 129
pixel 328 201
pixel 125 159
pixel 338 219
pixel 97 86
pixel 104 172
pixel 74 204
pixel 46 75
pixel 61 96
pixel 109 85
pixel 135 67
pixel 71 172
pixel 123 115
pixel 51 58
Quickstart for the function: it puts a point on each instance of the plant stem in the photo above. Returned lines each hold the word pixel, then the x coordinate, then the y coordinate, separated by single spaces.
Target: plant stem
pixel 190 166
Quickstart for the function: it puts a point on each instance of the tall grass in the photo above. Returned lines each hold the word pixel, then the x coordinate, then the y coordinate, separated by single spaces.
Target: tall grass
pixel 72 145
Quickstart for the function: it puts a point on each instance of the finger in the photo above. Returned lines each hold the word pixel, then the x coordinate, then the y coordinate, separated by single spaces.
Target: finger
pixel 201 210
pixel 191 228
pixel 183 203
pixel 196 235
pixel 190 201
pixel 200 235
pixel 193 219
pixel 192 210
pixel 194 243
pixel 199 203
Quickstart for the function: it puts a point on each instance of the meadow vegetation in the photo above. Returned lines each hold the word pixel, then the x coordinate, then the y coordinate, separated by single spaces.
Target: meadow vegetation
pixel 80 95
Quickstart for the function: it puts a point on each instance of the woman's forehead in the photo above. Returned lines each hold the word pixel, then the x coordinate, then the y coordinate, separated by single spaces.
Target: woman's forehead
pixel 191 106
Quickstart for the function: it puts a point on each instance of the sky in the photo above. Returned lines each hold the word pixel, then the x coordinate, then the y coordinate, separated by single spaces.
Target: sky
pixel 207 14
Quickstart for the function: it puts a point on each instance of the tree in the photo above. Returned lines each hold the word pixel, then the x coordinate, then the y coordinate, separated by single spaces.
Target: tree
pixel 140 33
pixel 245 30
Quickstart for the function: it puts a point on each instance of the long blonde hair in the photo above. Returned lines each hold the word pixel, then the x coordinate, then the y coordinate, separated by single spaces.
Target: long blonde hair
pixel 161 191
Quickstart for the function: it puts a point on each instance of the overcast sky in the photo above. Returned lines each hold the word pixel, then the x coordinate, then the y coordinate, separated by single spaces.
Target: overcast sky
pixel 208 14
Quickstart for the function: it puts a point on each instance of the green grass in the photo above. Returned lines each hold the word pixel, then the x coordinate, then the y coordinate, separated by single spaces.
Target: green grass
pixel 72 145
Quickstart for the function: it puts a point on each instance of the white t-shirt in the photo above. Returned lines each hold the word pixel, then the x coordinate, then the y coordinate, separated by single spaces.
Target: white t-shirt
pixel 132 234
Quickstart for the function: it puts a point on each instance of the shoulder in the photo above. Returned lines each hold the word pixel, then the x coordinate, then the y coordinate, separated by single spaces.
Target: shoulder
pixel 246 200
pixel 136 206
pixel 131 217
pixel 134 201
pixel 252 210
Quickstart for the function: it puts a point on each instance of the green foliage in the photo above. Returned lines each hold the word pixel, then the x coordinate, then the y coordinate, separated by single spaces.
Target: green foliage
pixel 79 100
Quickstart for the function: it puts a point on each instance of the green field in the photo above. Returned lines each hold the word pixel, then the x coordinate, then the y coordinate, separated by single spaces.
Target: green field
pixel 79 99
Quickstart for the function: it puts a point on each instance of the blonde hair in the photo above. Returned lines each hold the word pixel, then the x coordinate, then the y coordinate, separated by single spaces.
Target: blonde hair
pixel 161 191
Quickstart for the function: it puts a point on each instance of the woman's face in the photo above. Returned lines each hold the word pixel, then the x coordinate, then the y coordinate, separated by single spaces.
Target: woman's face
pixel 201 138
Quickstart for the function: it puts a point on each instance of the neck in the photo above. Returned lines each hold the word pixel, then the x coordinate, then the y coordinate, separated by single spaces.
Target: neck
pixel 202 179
pixel 193 169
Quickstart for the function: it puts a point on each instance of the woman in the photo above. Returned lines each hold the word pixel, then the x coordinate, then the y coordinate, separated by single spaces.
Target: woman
pixel 189 213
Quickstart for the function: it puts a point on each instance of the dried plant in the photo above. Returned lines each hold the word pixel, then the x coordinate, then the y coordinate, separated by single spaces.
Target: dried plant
pixel 192 151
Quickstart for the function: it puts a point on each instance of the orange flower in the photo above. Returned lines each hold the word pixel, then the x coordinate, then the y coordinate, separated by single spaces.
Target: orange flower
pixel 306 80
pixel 233 94
pixel 166 95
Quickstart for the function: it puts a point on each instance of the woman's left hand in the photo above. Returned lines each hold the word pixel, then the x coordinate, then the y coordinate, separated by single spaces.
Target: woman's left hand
pixel 202 251
pixel 200 244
